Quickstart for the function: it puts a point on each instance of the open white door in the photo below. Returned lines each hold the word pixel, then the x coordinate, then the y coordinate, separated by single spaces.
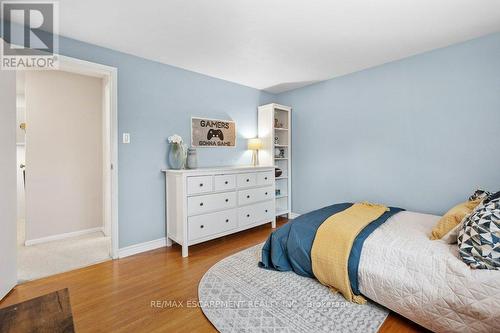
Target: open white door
pixel 8 223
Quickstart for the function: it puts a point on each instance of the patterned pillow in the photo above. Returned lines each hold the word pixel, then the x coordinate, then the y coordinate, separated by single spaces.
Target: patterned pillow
pixel 479 194
pixel 479 239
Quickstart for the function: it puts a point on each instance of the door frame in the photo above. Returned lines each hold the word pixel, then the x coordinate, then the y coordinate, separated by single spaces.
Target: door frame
pixel 8 187
pixel 110 161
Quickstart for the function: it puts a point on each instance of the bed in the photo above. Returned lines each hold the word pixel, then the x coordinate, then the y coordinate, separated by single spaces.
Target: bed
pixel 399 267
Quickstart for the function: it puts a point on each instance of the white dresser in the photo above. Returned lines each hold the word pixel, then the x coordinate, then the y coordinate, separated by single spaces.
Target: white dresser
pixel 204 204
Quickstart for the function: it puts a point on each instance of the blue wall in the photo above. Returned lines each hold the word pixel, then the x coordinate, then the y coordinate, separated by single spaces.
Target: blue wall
pixel 155 101
pixel 420 133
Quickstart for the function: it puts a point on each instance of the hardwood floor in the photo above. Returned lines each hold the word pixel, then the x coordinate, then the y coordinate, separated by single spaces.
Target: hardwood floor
pixel 116 296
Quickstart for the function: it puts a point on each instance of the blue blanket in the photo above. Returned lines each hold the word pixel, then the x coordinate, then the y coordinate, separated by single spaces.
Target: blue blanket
pixel 289 247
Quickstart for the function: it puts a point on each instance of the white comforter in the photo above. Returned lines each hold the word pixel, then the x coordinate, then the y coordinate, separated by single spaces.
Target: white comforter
pixel 425 280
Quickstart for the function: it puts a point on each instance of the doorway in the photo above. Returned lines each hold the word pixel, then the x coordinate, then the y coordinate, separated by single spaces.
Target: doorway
pixel 66 171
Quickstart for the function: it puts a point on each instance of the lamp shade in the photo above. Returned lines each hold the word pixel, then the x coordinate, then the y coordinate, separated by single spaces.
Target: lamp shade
pixel 254 144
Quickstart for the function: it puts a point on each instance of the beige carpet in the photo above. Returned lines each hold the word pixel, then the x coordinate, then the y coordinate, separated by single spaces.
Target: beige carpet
pixel 50 258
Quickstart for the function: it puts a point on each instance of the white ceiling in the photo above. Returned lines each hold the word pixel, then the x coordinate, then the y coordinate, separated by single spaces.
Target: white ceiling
pixel 277 45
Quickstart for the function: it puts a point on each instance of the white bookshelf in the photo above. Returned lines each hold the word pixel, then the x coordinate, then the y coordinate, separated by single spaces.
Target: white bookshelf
pixel 268 131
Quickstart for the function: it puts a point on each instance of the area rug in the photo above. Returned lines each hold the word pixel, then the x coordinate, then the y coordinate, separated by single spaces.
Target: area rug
pixel 238 296
pixel 47 313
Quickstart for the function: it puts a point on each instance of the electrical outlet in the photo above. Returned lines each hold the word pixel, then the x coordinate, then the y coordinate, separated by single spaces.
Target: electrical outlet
pixel 126 138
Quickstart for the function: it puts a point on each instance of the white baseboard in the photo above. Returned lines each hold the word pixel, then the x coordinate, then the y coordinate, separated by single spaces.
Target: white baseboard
pixel 293 215
pixel 61 236
pixel 142 247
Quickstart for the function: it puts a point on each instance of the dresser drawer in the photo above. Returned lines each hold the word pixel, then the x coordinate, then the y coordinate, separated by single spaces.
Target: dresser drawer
pixel 265 178
pixel 199 184
pixel 210 224
pixel 211 202
pixel 256 213
pixel 247 179
pixel 246 197
pixel 224 182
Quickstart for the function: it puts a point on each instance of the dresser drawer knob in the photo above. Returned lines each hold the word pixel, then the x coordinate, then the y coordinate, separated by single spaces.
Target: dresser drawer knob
pixel 248 180
pixel 248 215
pixel 266 193
pixel 201 203
pixel 266 210
pixel 226 182
pixel 265 178
pixel 227 200
pixel 227 220
pixel 201 184
pixel 202 226
pixel 248 197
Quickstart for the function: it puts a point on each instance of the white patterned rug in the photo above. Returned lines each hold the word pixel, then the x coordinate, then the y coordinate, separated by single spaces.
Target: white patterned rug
pixel 238 296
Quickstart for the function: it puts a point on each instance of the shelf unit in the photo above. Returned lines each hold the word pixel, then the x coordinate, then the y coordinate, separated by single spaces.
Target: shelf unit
pixel 275 132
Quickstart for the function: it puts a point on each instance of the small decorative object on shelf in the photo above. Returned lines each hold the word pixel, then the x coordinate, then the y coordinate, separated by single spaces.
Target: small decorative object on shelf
pixel 278 192
pixel 192 158
pixel 277 172
pixel 277 123
pixel 276 140
pixel 176 153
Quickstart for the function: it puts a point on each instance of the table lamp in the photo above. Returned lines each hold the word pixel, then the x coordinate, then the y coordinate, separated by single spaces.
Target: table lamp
pixel 255 145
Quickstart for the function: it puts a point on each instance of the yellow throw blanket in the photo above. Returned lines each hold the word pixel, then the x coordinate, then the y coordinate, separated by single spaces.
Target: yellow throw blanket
pixel 333 242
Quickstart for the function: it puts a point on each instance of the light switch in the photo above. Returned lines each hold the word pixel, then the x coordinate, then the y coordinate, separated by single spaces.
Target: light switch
pixel 126 137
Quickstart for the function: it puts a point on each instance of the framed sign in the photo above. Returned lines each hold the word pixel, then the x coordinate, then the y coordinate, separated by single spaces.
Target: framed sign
pixel 212 133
